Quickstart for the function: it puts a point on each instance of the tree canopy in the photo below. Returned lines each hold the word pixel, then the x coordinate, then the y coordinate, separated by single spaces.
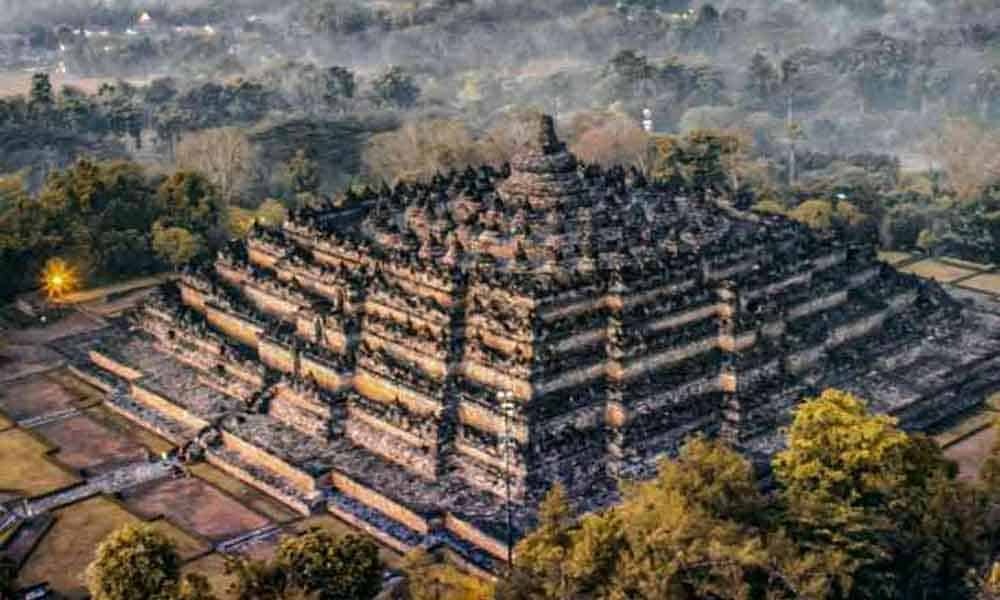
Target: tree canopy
pixel 861 509
pixel 315 564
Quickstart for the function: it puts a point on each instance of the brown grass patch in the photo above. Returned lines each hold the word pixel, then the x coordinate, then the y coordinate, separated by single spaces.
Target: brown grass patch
pixel 989 283
pixel 18 83
pixel 133 431
pixel 64 553
pixel 62 556
pixel 188 546
pixel 197 506
pixel 970 452
pixel 35 396
pixel 894 258
pixel 938 271
pixel 245 494
pixel 27 466
pixel 213 567
pixel 84 443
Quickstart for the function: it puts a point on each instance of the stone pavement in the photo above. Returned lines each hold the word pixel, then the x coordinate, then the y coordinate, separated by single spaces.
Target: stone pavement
pixel 120 479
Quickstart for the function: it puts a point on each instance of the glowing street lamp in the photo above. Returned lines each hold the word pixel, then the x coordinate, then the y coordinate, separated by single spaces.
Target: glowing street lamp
pixel 59 278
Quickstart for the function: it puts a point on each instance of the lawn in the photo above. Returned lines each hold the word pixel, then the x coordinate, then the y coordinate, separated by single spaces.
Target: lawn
pixel 188 546
pixel 27 466
pixel 133 431
pixel 197 506
pixel 37 395
pixel 970 452
pixel 245 494
pixel 970 441
pixel 85 443
pixel 938 271
pixel 61 558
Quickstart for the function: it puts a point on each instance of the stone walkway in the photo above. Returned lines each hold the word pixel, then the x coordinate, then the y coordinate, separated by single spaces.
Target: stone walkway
pixel 49 417
pixel 243 541
pixel 126 477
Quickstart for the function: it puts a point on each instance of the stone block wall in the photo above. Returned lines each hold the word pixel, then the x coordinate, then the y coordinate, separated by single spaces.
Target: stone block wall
pixel 192 297
pixel 382 390
pixel 269 303
pixel 243 475
pixel 157 403
pixel 109 364
pixel 325 375
pixel 470 533
pixel 303 481
pixel 276 355
pixel 233 325
pixel 401 447
pixel 293 414
pixel 369 497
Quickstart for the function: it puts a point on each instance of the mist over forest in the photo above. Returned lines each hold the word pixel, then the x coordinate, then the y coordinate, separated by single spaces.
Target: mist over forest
pixel 876 117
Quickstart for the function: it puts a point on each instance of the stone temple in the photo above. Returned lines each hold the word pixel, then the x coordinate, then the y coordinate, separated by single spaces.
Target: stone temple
pixel 402 360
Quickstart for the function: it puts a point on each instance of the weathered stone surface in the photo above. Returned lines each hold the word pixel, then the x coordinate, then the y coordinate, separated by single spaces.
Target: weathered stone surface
pixel 362 353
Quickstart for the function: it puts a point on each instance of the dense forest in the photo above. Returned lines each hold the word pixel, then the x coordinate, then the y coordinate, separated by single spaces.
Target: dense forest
pixel 879 115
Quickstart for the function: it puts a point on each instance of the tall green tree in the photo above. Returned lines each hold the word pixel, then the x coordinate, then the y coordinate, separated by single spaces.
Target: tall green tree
pixel 134 563
pixel 396 87
pixel 303 174
pixel 428 578
pixel 175 245
pixel 189 200
pixel 316 565
pixel 41 100
pixel 762 82
pixel 881 505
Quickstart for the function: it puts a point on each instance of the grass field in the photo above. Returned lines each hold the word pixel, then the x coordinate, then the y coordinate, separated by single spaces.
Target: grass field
pixel 936 270
pixel 188 546
pixel 64 553
pixel 894 258
pixel 198 507
pixel 967 264
pixel 85 443
pixel 140 435
pixel 15 83
pixel 213 567
pixel 245 494
pixel 969 442
pixel 27 467
pixel 37 395
pixel 989 283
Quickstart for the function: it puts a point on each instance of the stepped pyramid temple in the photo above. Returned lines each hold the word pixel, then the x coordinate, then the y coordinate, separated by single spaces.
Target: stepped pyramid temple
pixel 415 358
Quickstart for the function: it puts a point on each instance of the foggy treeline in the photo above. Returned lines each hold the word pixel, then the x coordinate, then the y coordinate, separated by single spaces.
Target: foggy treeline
pixel 882 110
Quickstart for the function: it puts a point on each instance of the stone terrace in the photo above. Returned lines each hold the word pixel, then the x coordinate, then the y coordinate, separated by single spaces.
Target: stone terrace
pixel 358 357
